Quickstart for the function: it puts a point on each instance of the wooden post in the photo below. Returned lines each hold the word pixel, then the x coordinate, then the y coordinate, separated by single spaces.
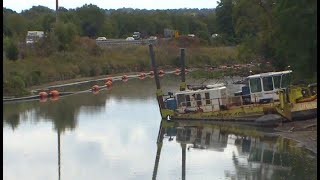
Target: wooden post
pixel 183 77
pixel 156 77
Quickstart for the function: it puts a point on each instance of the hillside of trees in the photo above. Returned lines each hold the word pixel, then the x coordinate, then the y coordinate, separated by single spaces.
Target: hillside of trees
pixel 283 32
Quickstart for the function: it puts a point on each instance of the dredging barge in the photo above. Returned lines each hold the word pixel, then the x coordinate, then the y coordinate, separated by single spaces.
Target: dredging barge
pixel 265 99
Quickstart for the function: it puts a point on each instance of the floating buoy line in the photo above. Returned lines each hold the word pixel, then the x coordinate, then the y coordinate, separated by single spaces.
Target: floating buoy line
pixel 54 94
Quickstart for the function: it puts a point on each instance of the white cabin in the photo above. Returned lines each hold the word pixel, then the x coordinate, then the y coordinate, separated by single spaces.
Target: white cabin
pixel 206 99
pixel 265 85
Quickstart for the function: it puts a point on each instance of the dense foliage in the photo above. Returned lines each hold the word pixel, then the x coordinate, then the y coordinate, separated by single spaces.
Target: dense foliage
pixel 283 32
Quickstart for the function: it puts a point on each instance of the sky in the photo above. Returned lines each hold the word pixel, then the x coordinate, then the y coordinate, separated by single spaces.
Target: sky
pixel 19 5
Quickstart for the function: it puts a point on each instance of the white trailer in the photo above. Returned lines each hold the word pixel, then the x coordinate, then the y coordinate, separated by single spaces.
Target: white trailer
pixel 33 36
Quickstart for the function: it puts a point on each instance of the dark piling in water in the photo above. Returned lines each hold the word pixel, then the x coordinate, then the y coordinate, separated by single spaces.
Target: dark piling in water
pixel 156 77
pixel 183 74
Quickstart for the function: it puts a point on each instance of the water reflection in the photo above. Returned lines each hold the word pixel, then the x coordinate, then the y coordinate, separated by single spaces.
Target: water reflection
pixel 256 155
pixel 113 134
pixel 64 112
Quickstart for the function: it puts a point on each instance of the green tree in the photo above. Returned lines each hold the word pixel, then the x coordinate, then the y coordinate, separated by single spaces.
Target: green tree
pixel 91 20
pixel 35 17
pixel 64 34
pixel 47 22
pixel 11 49
pixel 295 35
pixel 224 22
pixel 16 26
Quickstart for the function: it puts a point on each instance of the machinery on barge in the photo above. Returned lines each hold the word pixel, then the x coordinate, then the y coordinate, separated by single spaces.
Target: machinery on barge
pixel 264 99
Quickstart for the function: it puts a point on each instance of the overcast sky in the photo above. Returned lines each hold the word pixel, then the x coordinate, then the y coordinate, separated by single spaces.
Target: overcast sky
pixel 19 5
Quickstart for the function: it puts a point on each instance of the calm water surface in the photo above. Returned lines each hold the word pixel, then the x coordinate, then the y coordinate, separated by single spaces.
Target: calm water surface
pixel 118 134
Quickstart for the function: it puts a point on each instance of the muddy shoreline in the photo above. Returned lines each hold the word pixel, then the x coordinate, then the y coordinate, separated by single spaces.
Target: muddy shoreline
pixel 303 132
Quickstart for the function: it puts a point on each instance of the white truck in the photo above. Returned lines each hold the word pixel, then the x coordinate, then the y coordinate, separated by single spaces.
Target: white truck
pixel 136 35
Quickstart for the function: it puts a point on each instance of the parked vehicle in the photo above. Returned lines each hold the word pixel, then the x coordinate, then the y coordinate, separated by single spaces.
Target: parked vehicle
pixel 136 35
pixel 101 39
pixel 130 39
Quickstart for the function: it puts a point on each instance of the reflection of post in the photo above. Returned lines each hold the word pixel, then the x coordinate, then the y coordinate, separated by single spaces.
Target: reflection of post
pixel 58 154
pixel 183 148
pixel 159 147
pixel 262 164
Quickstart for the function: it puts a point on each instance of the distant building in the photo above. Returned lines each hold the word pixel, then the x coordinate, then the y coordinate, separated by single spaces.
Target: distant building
pixel 34 36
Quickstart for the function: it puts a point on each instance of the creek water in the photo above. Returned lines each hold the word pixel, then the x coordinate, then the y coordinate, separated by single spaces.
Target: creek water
pixel 118 134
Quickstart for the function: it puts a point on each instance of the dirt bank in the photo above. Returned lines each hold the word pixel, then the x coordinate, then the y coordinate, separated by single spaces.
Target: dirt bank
pixel 304 132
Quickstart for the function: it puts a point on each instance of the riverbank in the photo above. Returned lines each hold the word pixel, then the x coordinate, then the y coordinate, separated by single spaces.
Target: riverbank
pixel 303 132
pixel 86 62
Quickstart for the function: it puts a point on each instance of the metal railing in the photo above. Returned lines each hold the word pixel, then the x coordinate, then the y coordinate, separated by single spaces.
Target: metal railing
pixel 227 102
pixel 110 42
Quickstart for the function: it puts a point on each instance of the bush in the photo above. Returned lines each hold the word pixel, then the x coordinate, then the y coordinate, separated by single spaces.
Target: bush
pixel 14 86
pixel 11 50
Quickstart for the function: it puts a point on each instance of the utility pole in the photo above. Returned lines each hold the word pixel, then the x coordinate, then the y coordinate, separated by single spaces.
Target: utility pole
pixel 57 9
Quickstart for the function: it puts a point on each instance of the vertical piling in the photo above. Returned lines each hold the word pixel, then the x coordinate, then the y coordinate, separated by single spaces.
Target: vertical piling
pixel 183 84
pixel 159 147
pixel 59 154
pixel 57 9
pixel 183 168
pixel 156 77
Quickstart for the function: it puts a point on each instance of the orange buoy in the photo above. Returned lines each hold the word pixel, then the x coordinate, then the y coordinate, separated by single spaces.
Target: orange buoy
pixel 151 76
pixel 186 70
pixel 151 73
pixel 124 78
pixel 109 87
pixel 108 79
pixel 95 88
pixel 43 99
pixel 43 95
pixel 177 70
pixel 95 92
pixel 108 83
pixel 54 98
pixel 177 73
pixel 54 93
pixel 161 72
pixel 142 75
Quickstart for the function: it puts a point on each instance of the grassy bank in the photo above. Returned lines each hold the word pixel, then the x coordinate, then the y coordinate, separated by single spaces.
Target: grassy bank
pixel 88 60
